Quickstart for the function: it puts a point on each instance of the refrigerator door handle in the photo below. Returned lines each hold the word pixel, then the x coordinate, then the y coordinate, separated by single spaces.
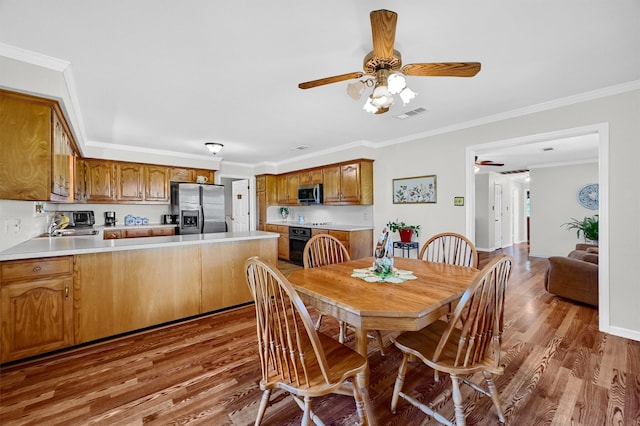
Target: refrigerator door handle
pixel 316 195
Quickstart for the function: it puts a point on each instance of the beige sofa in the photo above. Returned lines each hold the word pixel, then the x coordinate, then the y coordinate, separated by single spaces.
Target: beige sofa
pixel 575 276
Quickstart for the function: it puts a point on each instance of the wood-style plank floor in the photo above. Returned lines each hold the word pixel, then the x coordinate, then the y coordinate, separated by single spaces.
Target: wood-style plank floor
pixel 560 370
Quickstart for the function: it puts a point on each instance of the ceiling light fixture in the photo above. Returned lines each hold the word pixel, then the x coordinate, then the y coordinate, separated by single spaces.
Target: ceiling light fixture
pixel 385 85
pixel 214 147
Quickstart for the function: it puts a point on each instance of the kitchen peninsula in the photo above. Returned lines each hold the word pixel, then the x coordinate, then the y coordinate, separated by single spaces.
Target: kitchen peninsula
pixel 63 291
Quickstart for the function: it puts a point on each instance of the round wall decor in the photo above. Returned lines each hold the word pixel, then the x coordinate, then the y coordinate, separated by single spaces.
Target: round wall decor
pixel 588 196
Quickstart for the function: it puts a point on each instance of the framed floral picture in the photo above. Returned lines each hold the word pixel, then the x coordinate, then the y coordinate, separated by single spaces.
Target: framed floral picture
pixel 414 190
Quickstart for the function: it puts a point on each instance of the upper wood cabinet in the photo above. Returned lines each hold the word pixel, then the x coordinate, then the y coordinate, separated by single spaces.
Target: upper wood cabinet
pixel 100 180
pixel 288 189
pixel 156 184
pixel 349 183
pixel 310 177
pixel 182 174
pixel 266 195
pixel 37 148
pixel 343 184
pixel 129 182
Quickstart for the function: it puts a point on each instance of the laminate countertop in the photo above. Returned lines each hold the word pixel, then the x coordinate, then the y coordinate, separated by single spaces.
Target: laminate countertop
pixel 67 246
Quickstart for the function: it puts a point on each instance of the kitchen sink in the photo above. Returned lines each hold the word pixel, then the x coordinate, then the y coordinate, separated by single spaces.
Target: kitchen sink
pixel 70 233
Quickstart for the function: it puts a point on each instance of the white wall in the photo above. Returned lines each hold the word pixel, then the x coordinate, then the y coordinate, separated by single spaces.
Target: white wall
pixel 557 187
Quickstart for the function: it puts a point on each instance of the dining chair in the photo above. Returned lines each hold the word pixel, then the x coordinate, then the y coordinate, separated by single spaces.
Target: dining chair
pixel 325 249
pixel 468 343
pixel 293 355
pixel 452 248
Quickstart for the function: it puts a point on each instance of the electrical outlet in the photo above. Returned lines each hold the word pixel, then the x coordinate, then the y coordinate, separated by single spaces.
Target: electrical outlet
pixel 15 225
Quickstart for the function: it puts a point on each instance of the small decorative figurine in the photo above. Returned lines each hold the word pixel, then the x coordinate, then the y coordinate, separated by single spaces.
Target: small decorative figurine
pixel 383 263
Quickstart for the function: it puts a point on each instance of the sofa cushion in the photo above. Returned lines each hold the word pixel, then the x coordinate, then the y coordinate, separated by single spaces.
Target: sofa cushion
pixel 584 256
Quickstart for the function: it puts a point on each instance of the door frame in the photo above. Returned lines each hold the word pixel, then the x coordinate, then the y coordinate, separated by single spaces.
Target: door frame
pixel 602 129
pixel 252 194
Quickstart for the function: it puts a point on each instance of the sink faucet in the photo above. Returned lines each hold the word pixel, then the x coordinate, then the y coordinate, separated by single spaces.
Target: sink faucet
pixel 56 222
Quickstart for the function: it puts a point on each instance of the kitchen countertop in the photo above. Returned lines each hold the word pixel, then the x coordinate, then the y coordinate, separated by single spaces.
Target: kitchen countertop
pixel 66 246
pixel 334 226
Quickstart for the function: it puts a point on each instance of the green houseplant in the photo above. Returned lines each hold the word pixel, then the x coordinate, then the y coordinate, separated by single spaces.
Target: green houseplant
pixel 587 226
pixel 405 231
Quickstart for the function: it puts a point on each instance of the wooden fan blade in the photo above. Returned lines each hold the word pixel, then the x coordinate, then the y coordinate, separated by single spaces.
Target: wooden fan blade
pixel 329 80
pixel 489 163
pixel 383 32
pixel 443 69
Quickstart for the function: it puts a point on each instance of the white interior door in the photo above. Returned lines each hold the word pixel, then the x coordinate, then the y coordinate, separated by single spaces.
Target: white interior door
pixel 497 215
pixel 240 205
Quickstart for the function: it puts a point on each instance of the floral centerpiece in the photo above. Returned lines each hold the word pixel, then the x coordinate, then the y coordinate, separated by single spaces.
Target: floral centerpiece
pixel 406 231
pixel 383 264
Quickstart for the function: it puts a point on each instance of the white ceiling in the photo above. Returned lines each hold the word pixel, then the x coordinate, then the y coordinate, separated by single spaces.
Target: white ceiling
pixel 170 75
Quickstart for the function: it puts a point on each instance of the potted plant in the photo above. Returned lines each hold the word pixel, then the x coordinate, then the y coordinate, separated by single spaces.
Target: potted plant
pixel 587 226
pixel 405 231
pixel 284 212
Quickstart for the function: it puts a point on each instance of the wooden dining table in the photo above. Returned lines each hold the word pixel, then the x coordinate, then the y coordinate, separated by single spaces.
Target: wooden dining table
pixel 410 305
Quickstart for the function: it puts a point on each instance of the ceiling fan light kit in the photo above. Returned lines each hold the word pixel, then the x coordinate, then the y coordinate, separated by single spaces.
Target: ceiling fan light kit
pixel 383 66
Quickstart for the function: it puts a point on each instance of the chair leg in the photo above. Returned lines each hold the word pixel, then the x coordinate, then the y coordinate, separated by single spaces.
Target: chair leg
pixel 357 396
pixel 380 342
pixel 457 401
pixel 494 394
pixel 306 417
pixel 343 332
pixel 402 372
pixel 317 326
pixel 365 406
pixel 263 406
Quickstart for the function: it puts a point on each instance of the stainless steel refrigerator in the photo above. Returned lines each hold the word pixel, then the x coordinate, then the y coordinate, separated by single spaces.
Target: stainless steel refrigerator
pixel 200 207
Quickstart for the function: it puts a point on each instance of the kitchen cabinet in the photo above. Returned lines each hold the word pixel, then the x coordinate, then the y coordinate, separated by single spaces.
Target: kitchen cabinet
pixel 349 183
pixel 123 291
pixel 223 273
pixel 129 182
pixel 266 195
pixel 112 234
pixel 283 240
pixel 116 234
pixel 100 180
pixel 156 184
pixel 288 189
pixel 359 244
pixel 38 150
pixel 311 177
pixel 36 305
pixel 63 159
pixel 80 182
pixel 183 174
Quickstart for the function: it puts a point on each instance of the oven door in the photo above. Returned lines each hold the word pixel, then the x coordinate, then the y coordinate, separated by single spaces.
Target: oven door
pixel 296 250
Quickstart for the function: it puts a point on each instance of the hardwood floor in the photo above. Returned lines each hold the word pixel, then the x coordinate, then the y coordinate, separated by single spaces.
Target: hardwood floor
pixel 559 371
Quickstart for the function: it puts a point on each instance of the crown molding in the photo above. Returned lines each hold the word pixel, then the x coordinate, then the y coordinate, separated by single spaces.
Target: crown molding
pixel 33 58
pixel 541 107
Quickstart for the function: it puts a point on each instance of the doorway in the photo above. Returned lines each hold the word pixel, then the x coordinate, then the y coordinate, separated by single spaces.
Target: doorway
pixel 602 132
pixel 240 205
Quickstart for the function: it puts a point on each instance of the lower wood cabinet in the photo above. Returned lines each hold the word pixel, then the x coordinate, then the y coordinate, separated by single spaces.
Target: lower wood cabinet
pixel 116 234
pixel 36 306
pixel 283 241
pixel 359 244
pixel 223 274
pixel 57 302
pixel 123 291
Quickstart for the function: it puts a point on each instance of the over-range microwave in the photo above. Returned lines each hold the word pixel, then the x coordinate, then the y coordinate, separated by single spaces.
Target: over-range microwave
pixel 310 194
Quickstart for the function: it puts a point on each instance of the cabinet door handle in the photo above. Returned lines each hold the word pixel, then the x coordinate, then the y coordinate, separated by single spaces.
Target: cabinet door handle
pixel 36 269
pixel 66 292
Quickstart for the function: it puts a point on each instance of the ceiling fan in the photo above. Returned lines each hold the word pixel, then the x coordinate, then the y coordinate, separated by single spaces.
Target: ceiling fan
pixel 487 163
pixel 383 68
